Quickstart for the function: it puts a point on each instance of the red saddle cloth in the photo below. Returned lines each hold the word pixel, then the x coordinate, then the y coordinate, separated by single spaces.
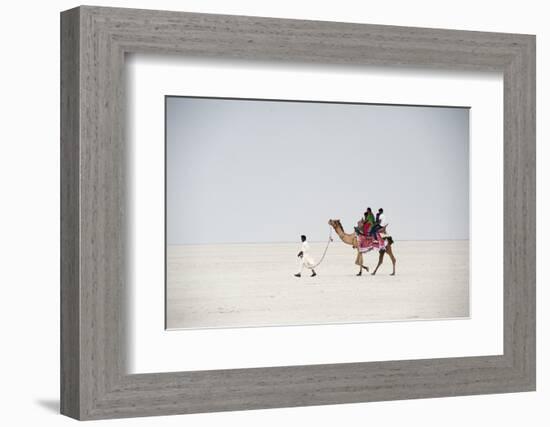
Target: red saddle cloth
pixel 367 243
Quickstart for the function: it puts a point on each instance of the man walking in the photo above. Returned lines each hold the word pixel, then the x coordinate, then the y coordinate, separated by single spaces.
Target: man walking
pixel 305 258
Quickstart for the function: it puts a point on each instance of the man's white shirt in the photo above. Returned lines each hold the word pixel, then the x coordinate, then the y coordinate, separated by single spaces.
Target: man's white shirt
pixel 307 259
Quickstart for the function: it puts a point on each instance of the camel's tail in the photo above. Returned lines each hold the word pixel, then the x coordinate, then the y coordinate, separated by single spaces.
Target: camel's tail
pixel 389 239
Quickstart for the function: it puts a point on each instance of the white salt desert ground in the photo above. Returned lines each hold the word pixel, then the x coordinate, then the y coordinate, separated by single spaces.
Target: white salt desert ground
pixel 243 285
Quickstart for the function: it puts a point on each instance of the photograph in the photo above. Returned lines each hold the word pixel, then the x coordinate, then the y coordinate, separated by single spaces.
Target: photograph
pixel 293 212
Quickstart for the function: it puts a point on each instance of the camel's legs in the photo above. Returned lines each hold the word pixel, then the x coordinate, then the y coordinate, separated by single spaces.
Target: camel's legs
pixel 380 259
pixel 392 257
pixel 359 262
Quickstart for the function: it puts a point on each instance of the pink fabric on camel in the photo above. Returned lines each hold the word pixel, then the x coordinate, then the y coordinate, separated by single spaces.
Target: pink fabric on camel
pixel 367 243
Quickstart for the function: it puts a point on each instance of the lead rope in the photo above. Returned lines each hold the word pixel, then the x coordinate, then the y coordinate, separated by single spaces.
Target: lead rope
pixel 326 248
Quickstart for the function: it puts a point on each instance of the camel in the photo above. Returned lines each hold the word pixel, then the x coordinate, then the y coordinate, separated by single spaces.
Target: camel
pixel 351 239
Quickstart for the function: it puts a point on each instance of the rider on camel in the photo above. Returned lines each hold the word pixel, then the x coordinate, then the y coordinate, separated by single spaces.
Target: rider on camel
pixel 368 222
pixel 377 223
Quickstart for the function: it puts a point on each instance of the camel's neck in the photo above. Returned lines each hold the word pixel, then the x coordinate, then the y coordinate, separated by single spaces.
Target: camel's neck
pixel 346 238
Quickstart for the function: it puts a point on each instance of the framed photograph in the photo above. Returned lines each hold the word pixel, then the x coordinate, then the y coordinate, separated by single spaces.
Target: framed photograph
pixel 344 212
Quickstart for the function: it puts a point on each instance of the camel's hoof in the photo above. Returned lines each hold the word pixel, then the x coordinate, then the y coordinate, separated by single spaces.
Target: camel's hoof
pixel 393 274
pixel 358 274
pixel 373 273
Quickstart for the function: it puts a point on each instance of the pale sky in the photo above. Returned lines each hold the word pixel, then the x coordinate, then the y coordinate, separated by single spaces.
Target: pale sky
pixel 269 171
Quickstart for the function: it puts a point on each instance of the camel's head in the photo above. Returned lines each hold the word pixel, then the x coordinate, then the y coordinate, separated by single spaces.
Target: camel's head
pixel 334 223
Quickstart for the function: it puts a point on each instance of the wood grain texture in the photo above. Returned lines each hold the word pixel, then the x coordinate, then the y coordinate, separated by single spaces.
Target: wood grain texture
pixel 94 273
pixel 70 292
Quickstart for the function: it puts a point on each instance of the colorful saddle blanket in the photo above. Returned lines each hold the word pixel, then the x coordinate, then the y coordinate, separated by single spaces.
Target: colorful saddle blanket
pixel 367 243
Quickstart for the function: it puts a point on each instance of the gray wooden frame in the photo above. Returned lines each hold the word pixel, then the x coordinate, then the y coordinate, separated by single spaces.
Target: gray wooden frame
pixel 94 382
